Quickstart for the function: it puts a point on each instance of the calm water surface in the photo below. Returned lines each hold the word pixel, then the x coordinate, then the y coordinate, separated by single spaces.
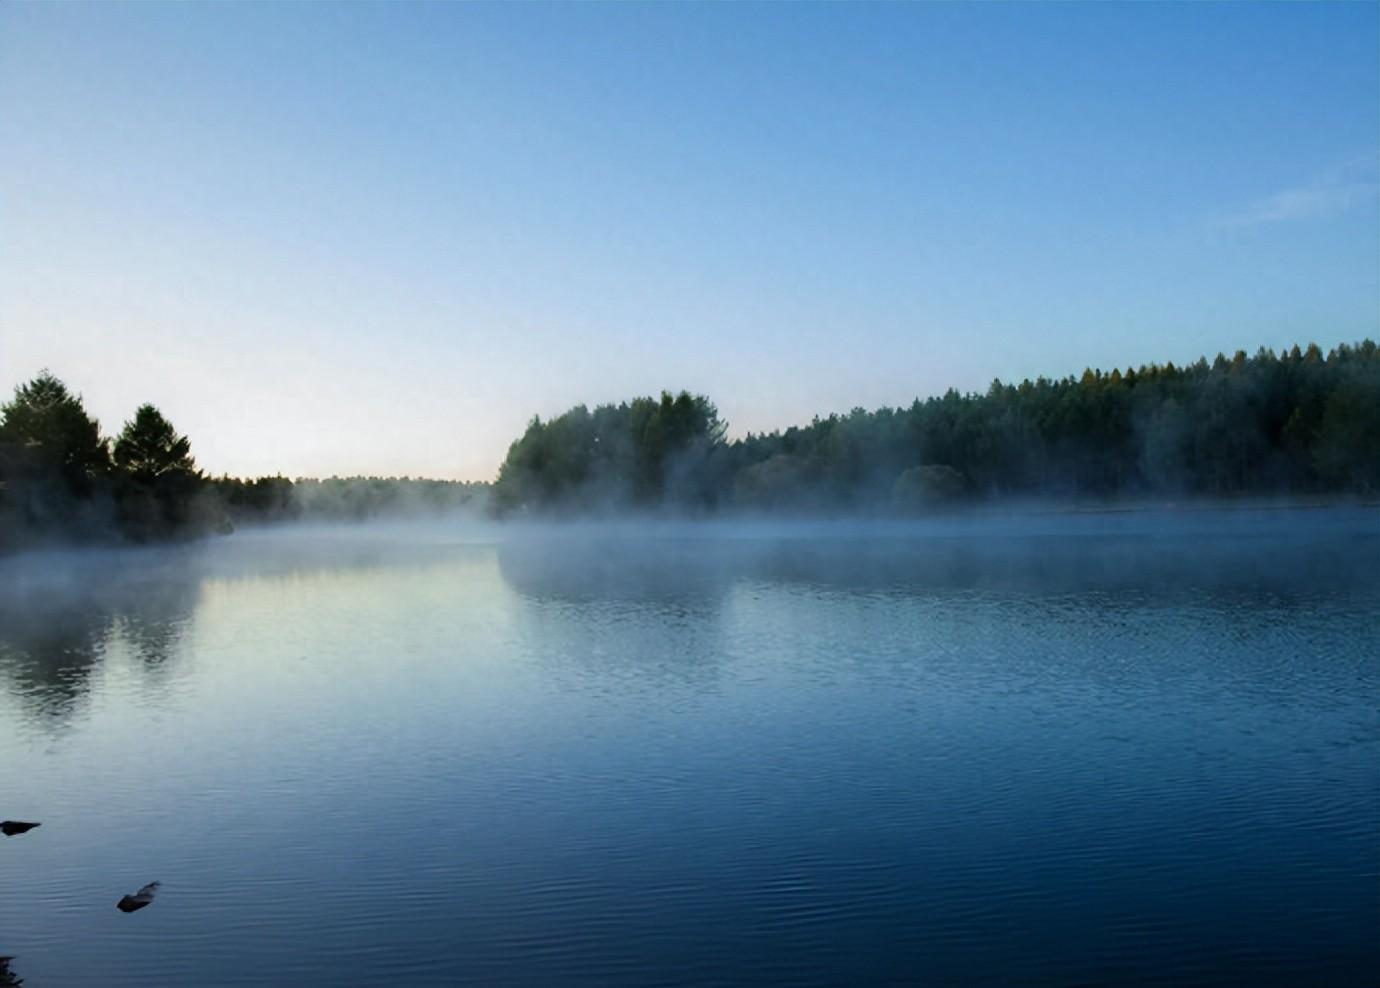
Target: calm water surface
pixel 1124 749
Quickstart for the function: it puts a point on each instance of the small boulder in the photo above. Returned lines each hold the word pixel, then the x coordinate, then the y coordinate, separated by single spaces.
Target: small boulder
pixel 140 899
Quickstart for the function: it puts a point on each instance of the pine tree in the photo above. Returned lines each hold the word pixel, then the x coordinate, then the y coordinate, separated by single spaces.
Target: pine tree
pixel 150 448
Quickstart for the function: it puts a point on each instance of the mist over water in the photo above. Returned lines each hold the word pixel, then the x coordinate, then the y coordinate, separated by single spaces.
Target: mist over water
pixel 1007 748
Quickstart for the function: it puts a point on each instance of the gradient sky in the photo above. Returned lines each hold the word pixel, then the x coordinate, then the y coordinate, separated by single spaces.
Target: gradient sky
pixel 378 239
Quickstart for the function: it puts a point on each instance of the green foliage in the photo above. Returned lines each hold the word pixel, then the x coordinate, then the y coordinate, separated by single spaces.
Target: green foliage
pixel 641 453
pixel 774 483
pixel 149 448
pixel 347 499
pixel 46 428
pixel 54 464
pixel 159 492
pixel 59 481
pixel 926 486
pixel 1302 423
pixel 258 499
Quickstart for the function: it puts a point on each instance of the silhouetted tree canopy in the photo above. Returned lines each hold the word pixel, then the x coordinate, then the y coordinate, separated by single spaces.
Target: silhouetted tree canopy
pixel 48 430
pixel 1301 423
pixel 344 498
pixel 645 452
pixel 54 464
pixel 150 448
pixel 160 494
pixel 60 482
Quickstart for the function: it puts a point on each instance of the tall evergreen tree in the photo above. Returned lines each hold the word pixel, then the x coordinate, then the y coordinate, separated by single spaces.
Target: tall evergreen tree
pixel 48 431
pixel 149 448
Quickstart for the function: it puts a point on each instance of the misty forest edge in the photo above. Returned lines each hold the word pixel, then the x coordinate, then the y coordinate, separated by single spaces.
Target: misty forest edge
pixel 1300 424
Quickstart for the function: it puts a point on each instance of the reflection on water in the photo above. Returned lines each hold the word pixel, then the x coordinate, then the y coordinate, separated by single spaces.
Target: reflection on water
pixel 1109 555
pixel 56 630
pixel 1113 750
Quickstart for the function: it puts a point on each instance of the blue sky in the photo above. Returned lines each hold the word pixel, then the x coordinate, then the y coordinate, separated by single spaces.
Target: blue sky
pixel 377 239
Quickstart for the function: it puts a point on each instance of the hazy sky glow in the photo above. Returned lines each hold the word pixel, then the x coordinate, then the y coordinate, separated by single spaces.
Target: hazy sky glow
pixel 377 239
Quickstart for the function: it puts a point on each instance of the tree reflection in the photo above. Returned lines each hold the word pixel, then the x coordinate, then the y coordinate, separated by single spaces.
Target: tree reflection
pixel 617 614
pixel 59 621
pixel 679 574
pixel 1218 554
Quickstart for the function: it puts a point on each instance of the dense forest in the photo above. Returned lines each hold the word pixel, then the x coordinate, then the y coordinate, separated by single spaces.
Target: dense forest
pixel 1302 423
pixel 62 480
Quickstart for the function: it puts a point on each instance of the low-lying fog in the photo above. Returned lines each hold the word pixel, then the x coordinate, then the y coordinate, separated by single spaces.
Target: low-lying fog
pixel 1048 549
pixel 1052 747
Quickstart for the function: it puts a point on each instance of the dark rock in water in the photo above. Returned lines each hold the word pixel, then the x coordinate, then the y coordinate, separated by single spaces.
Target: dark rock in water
pixel 10 828
pixel 138 900
pixel 8 979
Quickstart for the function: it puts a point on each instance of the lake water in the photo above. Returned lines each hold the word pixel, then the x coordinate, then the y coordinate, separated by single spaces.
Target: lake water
pixel 1105 749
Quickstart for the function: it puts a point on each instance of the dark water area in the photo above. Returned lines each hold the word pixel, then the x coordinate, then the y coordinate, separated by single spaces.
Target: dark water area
pixel 1104 749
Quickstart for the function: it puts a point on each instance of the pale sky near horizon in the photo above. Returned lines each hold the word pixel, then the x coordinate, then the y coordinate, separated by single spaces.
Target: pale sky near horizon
pixel 344 239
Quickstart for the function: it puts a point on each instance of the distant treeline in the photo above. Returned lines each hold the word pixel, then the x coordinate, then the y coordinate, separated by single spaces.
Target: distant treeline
pixel 1302 423
pixel 62 480
pixel 343 498
pixel 1299 423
